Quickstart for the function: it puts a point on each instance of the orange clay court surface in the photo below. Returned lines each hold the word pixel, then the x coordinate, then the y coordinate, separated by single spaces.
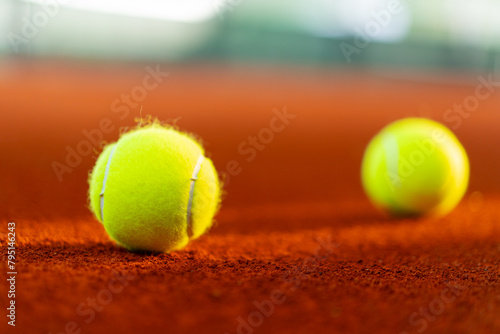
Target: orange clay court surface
pixel 296 247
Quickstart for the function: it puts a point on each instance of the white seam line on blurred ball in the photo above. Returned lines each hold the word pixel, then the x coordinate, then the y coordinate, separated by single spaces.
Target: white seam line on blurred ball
pixel 391 149
pixel 104 182
pixel 194 177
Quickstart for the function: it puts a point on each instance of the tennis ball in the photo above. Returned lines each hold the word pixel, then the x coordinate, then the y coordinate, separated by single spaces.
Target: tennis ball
pixel 415 167
pixel 154 189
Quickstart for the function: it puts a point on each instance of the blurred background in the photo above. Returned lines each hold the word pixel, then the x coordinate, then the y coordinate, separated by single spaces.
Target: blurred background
pixel 425 33
pixel 344 68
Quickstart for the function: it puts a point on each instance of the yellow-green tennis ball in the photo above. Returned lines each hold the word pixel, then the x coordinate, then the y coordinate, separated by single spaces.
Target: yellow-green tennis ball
pixel 154 189
pixel 414 167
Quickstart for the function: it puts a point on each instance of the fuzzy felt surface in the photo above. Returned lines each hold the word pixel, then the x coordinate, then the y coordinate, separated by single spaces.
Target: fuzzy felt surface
pixel 148 186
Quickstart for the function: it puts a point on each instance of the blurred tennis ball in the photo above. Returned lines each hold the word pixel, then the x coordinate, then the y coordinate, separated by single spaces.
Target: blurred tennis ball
pixel 414 167
pixel 154 190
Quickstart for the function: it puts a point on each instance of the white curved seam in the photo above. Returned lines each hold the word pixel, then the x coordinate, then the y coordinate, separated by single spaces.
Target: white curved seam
pixel 391 150
pixel 106 173
pixel 194 177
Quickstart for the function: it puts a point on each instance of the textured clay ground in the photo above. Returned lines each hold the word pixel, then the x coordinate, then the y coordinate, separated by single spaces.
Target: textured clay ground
pixel 296 248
